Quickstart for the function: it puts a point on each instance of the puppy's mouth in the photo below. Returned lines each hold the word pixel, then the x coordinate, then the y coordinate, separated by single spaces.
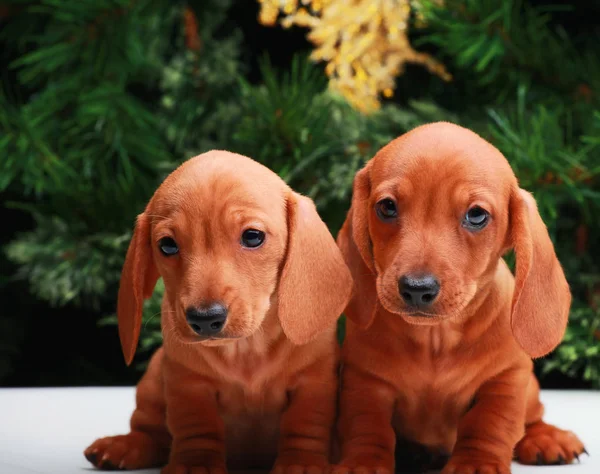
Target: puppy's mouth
pixel 438 313
pixel 218 340
pixel 421 318
pixel 416 316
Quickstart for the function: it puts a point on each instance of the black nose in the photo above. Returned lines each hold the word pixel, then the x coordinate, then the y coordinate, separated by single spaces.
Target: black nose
pixel 207 320
pixel 419 291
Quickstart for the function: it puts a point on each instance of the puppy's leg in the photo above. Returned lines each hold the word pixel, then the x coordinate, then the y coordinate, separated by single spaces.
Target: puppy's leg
pixel 543 443
pixel 307 424
pixel 194 421
pixel 365 427
pixel 147 445
pixel 488 432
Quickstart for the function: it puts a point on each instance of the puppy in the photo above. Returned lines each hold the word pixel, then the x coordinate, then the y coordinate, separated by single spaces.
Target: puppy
pixel 254 284
pixel 440 334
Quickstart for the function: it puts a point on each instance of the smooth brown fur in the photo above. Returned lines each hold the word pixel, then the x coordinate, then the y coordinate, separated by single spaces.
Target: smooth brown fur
pixel 263 394
pixel 458 379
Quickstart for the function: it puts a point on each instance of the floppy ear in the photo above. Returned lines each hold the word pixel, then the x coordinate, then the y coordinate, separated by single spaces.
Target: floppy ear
pixel 359 215
pixel 542 298
pixel 355 244
pixel 315 282
pixel 138 279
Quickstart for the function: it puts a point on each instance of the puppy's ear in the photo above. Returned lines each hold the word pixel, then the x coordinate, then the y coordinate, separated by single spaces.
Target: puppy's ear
pixel 359 215
pixel 315 282
pixel 355 244
pixel 138 278
pixel 542 298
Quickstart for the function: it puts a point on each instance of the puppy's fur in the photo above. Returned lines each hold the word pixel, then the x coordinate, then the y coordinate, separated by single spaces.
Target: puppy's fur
pixel 456 378
pixel 262 393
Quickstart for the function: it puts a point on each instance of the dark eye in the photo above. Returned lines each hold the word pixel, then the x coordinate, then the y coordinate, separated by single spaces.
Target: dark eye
pixel 386 209
pixel 253 238
pixel 168 246
pixel 476 218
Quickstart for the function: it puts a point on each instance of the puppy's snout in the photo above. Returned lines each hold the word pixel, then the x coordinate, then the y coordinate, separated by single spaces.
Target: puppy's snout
pixel 207 320
pixel 419 291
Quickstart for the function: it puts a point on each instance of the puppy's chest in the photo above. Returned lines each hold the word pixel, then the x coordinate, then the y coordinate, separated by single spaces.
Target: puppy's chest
pixel 247 398
pixel 433 395
pixel 251 409
pixel 252 386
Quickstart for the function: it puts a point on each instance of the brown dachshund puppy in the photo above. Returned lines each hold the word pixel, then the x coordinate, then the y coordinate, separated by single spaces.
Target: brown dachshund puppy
pixel 441 335
pixel 254 285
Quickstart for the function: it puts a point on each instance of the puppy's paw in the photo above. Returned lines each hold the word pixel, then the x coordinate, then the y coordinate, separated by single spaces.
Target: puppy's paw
pixel 177 468
pixel 131 451
pixel 475 466
pixel 547 444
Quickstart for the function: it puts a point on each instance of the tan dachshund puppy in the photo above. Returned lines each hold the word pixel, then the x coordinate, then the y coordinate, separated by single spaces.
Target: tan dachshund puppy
pixel 441 335
pixel 254 285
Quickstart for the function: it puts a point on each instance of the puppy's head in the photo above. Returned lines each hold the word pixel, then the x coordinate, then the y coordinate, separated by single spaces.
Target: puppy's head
pixel 230 239
pixel 432 214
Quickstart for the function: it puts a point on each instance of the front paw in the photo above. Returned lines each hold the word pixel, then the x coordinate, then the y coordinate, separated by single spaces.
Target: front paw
pixel 301 463
pixel 547 444
pixel 364 465
pixel 474 465
pixel 132 451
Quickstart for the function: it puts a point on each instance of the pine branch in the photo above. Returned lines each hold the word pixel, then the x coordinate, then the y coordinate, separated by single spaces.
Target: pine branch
pixel 63 267
pixel 509 43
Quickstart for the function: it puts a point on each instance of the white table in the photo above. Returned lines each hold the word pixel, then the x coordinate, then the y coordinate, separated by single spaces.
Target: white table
pixel 46 430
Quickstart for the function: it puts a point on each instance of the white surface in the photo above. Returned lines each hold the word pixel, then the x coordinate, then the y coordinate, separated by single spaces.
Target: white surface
pixel 46 430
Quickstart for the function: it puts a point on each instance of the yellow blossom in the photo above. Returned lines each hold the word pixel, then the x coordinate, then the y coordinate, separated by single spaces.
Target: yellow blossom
pixel 364 42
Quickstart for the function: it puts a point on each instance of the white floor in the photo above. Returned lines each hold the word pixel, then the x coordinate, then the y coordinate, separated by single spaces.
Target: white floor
pixel 46 430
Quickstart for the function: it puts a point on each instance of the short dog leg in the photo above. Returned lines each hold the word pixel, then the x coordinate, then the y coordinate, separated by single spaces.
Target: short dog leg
pixel 148 443
pixel 365 425
pixel 488 433
pixel 543 443
pixel 197 428
pixel 306 427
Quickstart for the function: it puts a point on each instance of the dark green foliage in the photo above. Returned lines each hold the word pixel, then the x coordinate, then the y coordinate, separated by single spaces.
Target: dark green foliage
pixel 63 266
pixel 504 44
pixel 100 99
pixel 198 88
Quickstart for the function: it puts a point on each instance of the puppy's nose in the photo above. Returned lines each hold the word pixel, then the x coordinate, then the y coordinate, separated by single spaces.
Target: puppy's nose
pixel 419 291
pixel 207 320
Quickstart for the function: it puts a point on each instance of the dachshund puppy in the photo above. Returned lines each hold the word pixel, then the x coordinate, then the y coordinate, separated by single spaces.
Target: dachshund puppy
pixel 440 334
pixel 254 285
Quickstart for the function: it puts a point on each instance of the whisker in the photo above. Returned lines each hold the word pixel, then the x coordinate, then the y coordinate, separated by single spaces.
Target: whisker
pixel 151 318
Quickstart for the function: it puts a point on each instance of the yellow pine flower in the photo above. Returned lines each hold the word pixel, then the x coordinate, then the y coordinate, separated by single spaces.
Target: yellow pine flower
pixel 364 42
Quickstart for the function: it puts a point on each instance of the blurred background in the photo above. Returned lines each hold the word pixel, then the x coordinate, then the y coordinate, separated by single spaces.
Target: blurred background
pixel 100 99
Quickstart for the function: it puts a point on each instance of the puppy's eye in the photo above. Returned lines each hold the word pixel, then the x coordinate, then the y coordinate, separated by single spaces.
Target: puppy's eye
pixel 476 218
pixel 253 238
pixel 386 209
pixel 168 246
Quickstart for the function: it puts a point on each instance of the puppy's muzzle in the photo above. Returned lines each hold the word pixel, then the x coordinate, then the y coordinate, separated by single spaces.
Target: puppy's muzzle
pixel 207 321
pixel 419 291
